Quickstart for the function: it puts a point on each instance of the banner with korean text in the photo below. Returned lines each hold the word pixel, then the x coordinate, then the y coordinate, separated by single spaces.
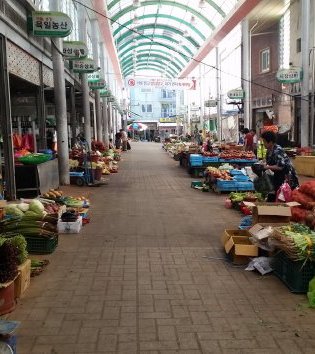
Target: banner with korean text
pixel 161 83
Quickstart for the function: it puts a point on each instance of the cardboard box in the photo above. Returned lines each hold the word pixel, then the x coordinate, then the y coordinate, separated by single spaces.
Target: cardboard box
pixel 22 282
pixel 259 230
pixel 70 227
pixel 227 234
pixel 239 248
pixel 271 213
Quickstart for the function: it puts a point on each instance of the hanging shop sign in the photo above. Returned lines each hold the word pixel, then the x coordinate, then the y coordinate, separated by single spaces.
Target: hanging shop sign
pixel 237 94
pixel 74 50
pixel 211 103
pixel 111 99
pixel 99 85
pixel 290 76
pixel 94 77
pixel 105 93
pixel 167 120
pixel 83 66
pixel 172 84
pixel 50 24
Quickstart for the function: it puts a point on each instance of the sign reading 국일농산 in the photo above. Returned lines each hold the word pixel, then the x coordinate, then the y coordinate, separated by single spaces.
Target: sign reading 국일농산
pixel 74 50
pixel 83 66
pixel 50 24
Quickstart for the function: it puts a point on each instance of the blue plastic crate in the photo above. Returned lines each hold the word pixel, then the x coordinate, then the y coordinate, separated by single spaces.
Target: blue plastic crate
pixel 236 172
pixel 241 178
pixel 210 159
pixel 196 163
pixel 223 184
pixel 245 186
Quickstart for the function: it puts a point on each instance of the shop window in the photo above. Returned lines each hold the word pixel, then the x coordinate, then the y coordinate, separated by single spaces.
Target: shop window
pixel 265 60
pixel 298 45
pixel 146 108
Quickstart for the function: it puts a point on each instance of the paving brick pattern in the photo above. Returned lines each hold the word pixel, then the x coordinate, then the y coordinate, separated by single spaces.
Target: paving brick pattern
pixel 148 276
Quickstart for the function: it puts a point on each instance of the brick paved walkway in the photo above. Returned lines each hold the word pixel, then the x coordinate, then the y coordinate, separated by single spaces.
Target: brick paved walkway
pixel 136 279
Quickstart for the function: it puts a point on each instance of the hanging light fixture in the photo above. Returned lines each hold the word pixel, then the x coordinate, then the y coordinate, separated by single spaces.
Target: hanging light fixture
pixel 193 20
pixel 136 3
pixel 185 33
pixel 202 4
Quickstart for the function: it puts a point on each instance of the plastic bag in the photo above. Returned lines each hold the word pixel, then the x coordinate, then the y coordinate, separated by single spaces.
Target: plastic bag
pixel 284 193
pixel 262 264
pixel 264 184
pixel 311 293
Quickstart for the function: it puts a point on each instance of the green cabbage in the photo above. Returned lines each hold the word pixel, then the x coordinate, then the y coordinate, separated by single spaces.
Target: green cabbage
pixel 36 206
pixel 11 209
pixel 23 206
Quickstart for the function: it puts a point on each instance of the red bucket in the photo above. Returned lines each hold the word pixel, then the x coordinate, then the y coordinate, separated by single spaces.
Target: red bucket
pixel 7 301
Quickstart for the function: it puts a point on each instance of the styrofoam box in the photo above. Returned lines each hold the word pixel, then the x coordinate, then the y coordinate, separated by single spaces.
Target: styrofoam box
pixel 70 227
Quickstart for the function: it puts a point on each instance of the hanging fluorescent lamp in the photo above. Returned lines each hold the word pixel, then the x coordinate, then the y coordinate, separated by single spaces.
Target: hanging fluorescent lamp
pixel 202 4
pixel 136 3
pixel 193 20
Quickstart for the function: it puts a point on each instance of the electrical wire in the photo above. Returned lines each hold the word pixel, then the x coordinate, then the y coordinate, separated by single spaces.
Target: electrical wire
pixel 189 57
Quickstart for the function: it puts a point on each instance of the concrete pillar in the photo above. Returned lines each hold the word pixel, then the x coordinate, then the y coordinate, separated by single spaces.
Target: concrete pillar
pixel 105 122
pixel 246 73
pixel 305 40
pixel 218 79
pixel 42 143
pixel 84 81
pixel 6 122
pixel 60 105
pixel 96 56
pixel 73 116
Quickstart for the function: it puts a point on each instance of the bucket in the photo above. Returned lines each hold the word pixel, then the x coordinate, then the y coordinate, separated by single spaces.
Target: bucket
pixel 7 302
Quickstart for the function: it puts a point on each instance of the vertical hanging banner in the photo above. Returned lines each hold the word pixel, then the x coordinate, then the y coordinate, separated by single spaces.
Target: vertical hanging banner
pixel 50 24
pixel 74 50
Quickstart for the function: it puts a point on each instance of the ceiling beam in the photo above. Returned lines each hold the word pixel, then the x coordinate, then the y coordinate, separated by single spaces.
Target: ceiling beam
pixel 244 7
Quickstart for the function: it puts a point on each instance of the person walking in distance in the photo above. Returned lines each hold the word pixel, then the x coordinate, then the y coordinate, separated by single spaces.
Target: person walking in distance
pixel 124 139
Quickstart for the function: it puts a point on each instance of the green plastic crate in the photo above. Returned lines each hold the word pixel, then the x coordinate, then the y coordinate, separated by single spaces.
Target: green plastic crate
pixel 41 245
pixel 295 275
pixel 196 184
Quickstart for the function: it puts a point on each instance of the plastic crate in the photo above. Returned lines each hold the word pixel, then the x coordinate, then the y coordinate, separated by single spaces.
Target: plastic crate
pixel 196 163
pixel 241 178
pixel 236 172
pixel 41 245
pixel 245 186
pixel 210 159
pixel 295 275
pixel 223 183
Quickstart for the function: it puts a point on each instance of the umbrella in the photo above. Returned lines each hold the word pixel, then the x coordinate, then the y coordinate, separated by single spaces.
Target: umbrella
pixel 137 126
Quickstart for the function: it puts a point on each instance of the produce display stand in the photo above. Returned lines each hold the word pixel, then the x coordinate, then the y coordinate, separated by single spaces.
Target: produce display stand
pixel 305 165
pixel 33 180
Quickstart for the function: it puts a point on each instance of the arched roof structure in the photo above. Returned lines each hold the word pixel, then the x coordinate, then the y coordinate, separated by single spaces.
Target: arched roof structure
pixel 163 35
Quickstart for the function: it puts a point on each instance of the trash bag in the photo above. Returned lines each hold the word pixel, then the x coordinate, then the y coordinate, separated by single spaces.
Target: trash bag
pixel 264 184
pixel 284 193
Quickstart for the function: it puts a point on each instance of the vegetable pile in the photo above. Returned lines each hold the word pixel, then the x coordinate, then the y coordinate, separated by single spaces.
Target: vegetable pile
pixel 305 195
pixel 17 241
pixel 296 240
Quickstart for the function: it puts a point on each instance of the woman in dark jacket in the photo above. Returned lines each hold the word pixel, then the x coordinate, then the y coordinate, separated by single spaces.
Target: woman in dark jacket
pixel 278 162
